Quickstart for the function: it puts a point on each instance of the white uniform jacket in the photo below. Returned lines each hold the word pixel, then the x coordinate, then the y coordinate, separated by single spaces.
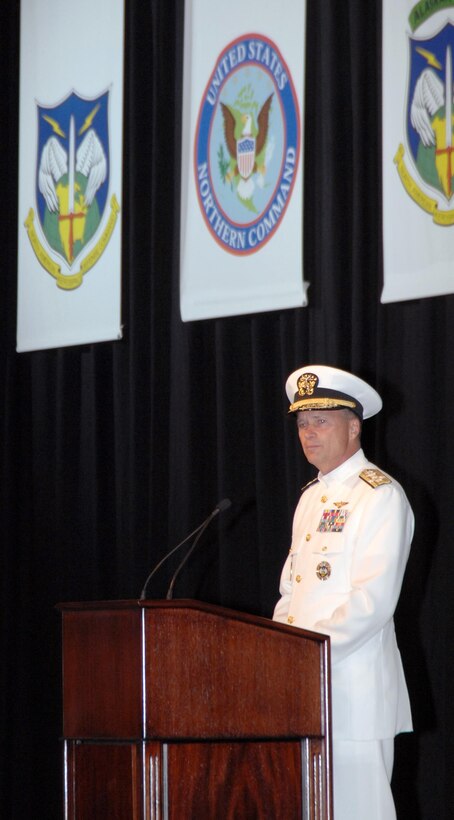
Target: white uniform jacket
pixel 343 576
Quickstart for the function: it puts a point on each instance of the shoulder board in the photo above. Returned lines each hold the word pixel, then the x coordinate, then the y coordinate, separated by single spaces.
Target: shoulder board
pixel 309 484
pixel 375 478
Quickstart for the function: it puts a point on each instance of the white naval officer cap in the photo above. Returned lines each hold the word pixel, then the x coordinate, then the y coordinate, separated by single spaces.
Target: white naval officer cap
pixel 319 387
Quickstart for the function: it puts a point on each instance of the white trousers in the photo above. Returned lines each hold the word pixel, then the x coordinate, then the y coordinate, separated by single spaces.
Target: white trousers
pixel 362 772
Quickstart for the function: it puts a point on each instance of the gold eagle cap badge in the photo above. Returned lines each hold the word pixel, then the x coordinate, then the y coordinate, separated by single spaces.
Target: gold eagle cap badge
pixel 306 384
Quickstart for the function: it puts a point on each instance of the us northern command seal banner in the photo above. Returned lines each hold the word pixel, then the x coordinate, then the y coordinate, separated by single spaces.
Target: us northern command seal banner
pixel 241 198
pixel 70 172
pixel 418 148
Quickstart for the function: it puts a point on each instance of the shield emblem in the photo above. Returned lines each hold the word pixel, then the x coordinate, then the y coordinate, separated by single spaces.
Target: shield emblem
pixel 429 113
pixel 72 173
pixel 245 156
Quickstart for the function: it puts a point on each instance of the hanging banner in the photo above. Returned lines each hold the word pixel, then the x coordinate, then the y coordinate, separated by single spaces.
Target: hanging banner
pixel 70 172
pixel 241 200
pixel 418 149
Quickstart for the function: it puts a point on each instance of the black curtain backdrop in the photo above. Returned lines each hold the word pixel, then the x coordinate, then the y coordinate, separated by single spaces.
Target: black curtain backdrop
pixel 111 453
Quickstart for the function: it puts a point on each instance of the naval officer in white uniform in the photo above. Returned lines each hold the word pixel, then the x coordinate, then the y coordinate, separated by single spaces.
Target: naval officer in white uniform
pixel 351 538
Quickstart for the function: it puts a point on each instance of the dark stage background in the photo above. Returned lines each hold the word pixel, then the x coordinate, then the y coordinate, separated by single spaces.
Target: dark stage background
pixel 111 453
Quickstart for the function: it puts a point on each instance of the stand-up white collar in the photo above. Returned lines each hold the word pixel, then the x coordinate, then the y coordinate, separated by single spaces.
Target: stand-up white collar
pixel 354 464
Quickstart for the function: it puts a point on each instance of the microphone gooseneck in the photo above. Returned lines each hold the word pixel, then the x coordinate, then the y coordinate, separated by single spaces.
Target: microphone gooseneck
pixel 220 507
pixel 188 554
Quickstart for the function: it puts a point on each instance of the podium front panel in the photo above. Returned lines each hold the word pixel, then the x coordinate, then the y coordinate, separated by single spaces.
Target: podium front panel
pixel 178 709
pixel 211 675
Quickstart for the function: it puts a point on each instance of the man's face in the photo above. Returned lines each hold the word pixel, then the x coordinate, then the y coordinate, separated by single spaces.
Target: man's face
pixel 328 437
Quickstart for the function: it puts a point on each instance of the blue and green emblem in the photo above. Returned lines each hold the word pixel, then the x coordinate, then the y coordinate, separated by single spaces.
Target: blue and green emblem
pixel 72 183
pixel 429 139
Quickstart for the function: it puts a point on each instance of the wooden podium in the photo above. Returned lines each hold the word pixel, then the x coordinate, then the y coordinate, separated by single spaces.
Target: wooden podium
pixel 179 710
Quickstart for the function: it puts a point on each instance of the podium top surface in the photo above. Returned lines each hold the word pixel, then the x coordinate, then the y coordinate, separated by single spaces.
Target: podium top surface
pixel 193 605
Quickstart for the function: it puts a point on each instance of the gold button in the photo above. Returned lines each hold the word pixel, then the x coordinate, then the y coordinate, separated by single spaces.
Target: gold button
pixel 290 619
pixel 324 549
pixel 324 499
pixel 298 579
pixel 308 536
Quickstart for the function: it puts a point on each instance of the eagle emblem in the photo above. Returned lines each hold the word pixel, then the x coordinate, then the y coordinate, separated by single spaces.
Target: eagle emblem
pixel 306 384
pixel 245 143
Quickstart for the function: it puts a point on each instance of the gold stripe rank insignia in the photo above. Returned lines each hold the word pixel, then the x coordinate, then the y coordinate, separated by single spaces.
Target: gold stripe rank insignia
pixel 374 477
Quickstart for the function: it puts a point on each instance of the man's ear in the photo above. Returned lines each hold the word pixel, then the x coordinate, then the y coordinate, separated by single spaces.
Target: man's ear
pixel 355 427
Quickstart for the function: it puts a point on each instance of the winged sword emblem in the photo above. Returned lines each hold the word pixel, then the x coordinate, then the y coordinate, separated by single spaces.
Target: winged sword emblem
pixel 431 117
pixel 72 220
pixel 65 193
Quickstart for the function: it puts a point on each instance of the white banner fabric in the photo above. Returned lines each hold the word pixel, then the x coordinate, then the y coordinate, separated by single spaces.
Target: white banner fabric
pixel 241 198
pixel 70 172
pixel 418 147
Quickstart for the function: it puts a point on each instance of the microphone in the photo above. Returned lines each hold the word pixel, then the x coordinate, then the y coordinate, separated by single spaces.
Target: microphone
pixel 220 506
